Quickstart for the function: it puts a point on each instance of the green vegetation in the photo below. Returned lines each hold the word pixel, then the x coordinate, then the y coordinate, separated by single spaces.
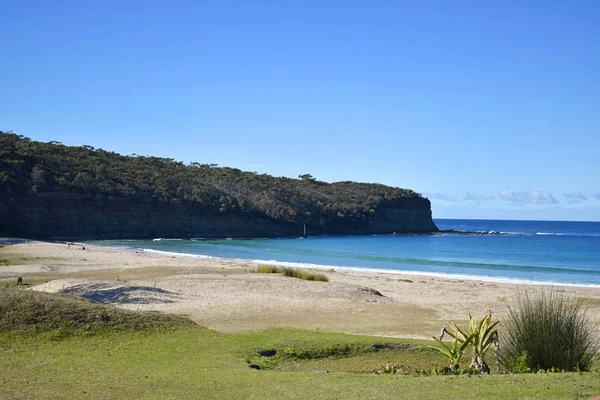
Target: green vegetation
pixel 292 273
pixel 547 330
pixel 174 360
pixel 307 276
pixel 10 256
pixel 30 169
pixel 480 336
pixel 269 269
pixel 454 352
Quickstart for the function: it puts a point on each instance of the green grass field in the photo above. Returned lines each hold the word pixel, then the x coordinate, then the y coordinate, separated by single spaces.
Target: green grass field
pixel 59 347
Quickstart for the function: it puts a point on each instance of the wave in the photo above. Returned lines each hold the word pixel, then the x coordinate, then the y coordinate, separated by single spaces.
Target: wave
pixel 407 261
pixel 347 258
pixel 482 278
pixel 172 253
pixel 473 265
pixel 501 233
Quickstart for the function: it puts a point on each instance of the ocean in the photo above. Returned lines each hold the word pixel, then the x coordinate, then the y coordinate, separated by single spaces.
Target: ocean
pixel 558 252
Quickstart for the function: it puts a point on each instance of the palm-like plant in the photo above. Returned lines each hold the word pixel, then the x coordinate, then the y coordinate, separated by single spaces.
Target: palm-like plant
pixel 481 336
pixel 454 352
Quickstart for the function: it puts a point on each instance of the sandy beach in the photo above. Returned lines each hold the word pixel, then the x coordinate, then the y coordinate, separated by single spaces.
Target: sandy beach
pixel 227 295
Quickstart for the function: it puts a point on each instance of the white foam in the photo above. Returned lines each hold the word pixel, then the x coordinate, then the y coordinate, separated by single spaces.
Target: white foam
pixel 188 255
pixel 481 278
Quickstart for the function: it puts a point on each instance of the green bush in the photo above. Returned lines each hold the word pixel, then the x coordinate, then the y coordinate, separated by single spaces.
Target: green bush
pixel 547 330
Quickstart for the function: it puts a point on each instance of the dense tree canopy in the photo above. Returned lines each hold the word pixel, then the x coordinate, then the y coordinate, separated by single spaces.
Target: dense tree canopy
pixel 30 168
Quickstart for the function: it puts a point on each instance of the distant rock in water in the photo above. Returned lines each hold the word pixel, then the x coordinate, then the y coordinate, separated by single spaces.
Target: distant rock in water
pixel 48 190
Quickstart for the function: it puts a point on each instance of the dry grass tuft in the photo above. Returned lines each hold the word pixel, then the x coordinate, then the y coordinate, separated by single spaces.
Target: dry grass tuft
pixel 292 273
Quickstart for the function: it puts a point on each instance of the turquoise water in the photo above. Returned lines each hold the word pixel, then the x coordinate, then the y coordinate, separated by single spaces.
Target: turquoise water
pixel 524 251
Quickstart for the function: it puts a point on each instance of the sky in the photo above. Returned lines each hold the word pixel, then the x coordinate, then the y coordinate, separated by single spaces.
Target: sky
pixel 491 109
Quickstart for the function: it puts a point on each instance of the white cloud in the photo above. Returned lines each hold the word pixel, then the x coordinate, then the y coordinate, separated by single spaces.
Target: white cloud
pixel 596 195
pixel 536 196
pixel 441 196
pixel 577 197
pixel 476 198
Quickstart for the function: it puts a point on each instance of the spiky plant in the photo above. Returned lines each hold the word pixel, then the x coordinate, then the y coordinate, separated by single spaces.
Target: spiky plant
pixel 453 353
pixel 483 336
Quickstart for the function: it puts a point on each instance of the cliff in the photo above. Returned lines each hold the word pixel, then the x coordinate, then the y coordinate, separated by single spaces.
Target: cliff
pixel 48 190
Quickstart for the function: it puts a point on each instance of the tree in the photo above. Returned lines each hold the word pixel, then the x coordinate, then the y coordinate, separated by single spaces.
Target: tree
pixel 307 178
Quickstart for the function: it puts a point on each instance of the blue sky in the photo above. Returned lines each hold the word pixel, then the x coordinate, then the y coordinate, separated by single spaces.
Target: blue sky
pixel 491 109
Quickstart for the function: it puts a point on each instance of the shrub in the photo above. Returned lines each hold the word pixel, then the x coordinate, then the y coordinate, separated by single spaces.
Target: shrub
pixel 481 336
pixel 453 353
pixel 5 262
pixel 547 330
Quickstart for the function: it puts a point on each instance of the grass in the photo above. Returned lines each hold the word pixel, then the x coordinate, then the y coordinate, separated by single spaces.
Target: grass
pixel 163 357
pixel 292 272
pixel 10 256
pixel 547 330
pixel 362 359
pixel 109 274
pixel 54 315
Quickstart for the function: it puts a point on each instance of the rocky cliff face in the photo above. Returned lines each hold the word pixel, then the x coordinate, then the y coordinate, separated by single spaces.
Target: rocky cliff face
pixel 63 216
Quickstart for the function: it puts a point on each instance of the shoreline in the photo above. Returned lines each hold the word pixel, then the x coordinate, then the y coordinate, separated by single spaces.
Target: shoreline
pixel 350 269
pixel 226 295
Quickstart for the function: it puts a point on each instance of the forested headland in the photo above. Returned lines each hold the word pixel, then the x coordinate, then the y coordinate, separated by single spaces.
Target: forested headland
pixel 49 190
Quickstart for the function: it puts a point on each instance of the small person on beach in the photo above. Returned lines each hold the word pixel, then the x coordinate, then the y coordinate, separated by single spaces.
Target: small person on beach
pixel 68 245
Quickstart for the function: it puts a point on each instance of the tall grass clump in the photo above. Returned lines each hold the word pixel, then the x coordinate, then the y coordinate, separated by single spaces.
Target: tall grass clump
pixel 268 269
pixel 292 273
pixel 307 276
pixel 547 330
